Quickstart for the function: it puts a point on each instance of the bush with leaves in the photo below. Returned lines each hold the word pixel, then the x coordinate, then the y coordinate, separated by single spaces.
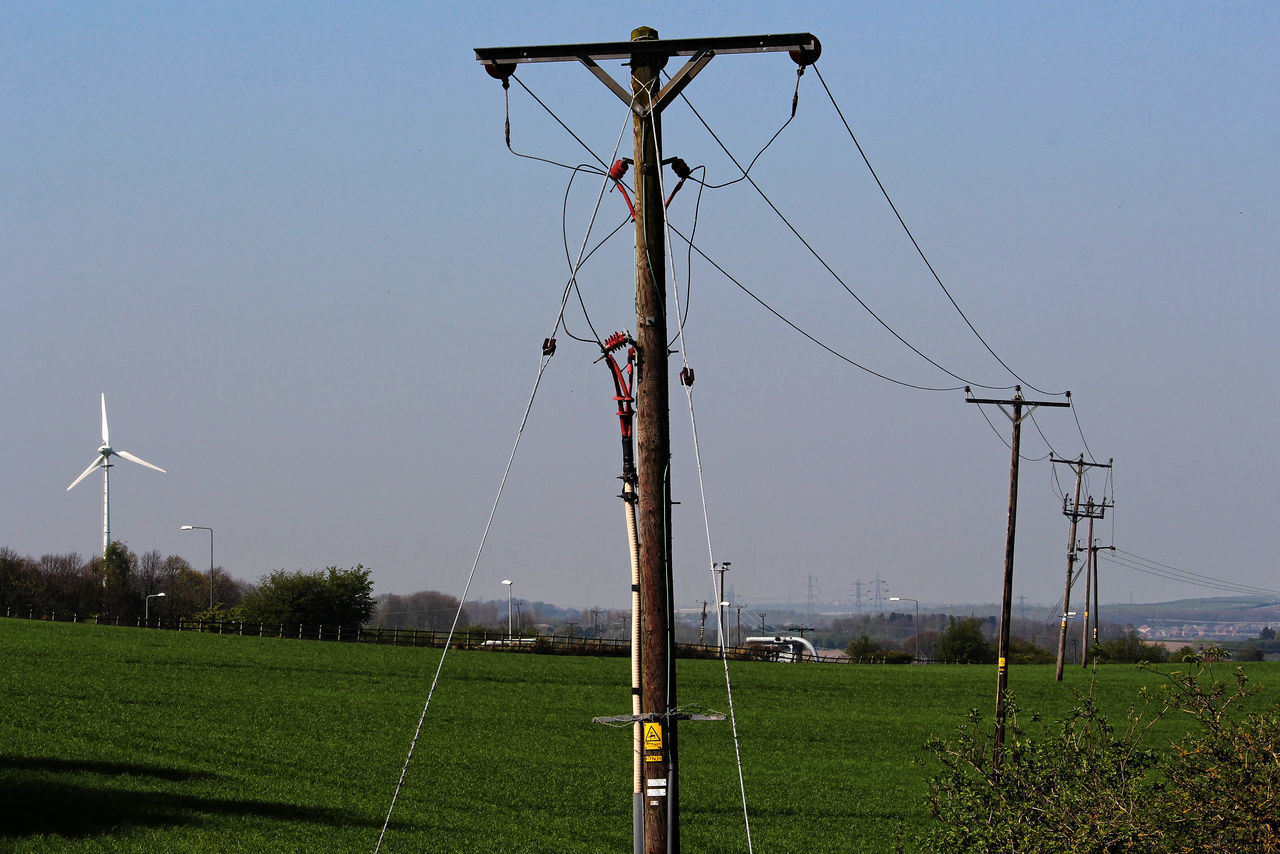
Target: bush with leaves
pixel 963 642
pixel 1084 785
pixel 333 597
pixel 862 648
pixel 1129 648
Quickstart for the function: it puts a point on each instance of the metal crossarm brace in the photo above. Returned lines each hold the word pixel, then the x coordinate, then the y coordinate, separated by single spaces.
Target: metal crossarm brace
pixel 805 42
pixel 700 51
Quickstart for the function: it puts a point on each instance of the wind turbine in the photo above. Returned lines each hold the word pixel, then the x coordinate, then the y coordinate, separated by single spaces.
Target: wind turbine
pixel 103 461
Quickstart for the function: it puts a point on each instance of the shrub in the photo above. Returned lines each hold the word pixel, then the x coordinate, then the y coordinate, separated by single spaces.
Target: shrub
pixel 1027 652
pixel 862 648
pixel 333 597
pixel 1086 785
pixel 963 642
pixel 1130 648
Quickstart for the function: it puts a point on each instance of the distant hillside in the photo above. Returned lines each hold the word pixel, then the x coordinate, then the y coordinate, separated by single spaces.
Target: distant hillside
pixel 1218 609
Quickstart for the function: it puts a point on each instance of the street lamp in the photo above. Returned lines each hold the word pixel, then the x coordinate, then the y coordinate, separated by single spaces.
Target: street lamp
pixel 510 585
pixel 210 530
pixel 917 622
pixel 721 568
pixel 146 607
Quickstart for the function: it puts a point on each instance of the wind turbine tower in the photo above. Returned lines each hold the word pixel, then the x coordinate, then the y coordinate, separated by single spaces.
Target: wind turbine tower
pixel 103 461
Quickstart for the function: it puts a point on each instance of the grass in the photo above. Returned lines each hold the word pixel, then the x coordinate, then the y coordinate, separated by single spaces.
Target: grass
pixel 117 739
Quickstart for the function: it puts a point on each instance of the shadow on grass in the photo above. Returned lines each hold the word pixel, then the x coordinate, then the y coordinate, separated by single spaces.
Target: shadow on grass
pixel 41 795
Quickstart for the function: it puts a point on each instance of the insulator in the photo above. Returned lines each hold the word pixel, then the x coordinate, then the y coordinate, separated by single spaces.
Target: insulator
pixel 548 346
pixel 686 376
pixel 500 70
pixel 807 55
pixel 618 169
pixel 681 168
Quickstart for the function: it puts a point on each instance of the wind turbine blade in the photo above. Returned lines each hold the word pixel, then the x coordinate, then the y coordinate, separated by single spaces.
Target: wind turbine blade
pixel 93 465
pixel 131 458
pixel 106 437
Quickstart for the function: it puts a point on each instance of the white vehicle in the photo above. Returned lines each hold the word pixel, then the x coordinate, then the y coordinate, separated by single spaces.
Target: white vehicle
pixel 784 647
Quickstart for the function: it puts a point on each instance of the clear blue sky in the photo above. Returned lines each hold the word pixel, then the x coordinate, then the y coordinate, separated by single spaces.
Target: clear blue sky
pixel 288 242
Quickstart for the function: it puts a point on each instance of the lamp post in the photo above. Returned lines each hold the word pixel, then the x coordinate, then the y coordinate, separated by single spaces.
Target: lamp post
pixel 915 625
pixel 146 607
pixel 210 530
pixel 720 568
pixel 510 585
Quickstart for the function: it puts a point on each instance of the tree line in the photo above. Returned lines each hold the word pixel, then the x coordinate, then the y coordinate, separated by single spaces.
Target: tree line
pixel 127 586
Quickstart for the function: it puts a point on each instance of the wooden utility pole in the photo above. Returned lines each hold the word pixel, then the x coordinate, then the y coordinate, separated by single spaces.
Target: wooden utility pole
pixel 1091 632
pixel 653 458
pixel 656 806
pixel 1075 513
pixel 1088 589
pixel 1006 602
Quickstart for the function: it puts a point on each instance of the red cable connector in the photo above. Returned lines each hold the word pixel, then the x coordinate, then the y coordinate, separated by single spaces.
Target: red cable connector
pixel 616 171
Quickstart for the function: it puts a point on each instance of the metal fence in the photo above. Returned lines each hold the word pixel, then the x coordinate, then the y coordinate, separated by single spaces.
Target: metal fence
pixel 496 640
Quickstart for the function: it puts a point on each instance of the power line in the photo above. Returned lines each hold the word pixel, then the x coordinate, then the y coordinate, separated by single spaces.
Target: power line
pixel 822 261
pixel 1149 566
pixel 1005 441
pixel 842 357
pixel 558 120
pixel 916 243
pixel 795 100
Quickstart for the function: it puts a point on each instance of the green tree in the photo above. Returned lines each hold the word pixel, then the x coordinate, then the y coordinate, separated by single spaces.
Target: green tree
pixel 21 587
pixel 862 648
pixel 1130 648
pixel 1247 651
pixel 119 581
pixel 963 642
pixel 1028 652
pixel 329 597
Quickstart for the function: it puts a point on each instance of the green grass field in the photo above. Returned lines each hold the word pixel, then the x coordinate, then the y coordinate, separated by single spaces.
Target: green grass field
pixel 117 739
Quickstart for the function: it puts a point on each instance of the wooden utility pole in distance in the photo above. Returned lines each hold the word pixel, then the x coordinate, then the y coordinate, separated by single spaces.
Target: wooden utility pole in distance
pixel 1006 603
pixel 1097 595
pixel 656 796
pixel 1088 590
pixel 1075 513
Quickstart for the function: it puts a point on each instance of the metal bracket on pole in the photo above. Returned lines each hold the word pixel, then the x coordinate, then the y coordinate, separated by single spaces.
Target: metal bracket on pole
pixel 682 78
pixel 699 51
pixel 658 717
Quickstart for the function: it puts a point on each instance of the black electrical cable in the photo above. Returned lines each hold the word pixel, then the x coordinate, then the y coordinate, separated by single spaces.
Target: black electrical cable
pixel 916 243
pixel 817 256
pixel 560 122
pixel 797 328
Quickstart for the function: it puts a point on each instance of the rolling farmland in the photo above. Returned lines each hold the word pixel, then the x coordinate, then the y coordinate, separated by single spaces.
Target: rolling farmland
pixel 118 739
